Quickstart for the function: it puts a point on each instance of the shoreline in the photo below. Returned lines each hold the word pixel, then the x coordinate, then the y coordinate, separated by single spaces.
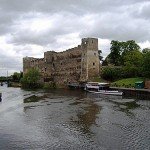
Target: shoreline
pixel 144 93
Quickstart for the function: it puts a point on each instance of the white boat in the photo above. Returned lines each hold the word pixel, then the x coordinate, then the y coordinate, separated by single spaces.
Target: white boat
pixel 101 88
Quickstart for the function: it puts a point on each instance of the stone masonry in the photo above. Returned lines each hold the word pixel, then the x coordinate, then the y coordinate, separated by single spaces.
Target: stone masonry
pixel 78 64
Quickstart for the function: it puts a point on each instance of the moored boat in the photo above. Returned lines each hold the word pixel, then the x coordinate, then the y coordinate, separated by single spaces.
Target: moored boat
pixel 101 88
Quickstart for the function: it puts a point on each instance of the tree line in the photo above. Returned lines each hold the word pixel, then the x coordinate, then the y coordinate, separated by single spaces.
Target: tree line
pixel 125 60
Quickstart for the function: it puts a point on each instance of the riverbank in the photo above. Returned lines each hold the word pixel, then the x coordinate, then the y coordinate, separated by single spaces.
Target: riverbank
pixel 145 93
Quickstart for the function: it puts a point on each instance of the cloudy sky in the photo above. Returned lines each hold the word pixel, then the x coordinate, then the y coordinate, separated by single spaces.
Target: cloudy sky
pixel 30 27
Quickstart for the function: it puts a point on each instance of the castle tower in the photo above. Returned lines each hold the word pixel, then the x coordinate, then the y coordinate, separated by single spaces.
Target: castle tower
pixel 90 59
pixel 26 64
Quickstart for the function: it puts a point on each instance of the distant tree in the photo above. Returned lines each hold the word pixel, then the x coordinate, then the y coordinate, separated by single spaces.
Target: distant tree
pixel 131 52
pixel 100 56
pixel 17 76
pixel 105 62
pixel 146 64
pixel 119 50
pixel 133 63
pixel 129 46
pixel 111 74
pixel 115 54
pixel 133 58
pixel 145 50
pixel 31 78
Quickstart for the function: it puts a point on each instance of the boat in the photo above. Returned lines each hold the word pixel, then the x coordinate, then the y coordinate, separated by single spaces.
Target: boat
pixel 101 88
pixel 73 85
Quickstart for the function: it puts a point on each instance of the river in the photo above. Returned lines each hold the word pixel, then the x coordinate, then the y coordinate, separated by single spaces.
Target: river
pixel 69 119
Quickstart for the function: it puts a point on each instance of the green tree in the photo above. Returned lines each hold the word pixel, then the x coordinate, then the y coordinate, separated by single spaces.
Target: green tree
pixel 146 64
pixel 119 50
pixel 128 46
pixel 145 50
pixel 133 63
pixel 133 58
pixel 100 56
pixel 31 79
pixel 17 76
pixel 115 54
pixel 111 74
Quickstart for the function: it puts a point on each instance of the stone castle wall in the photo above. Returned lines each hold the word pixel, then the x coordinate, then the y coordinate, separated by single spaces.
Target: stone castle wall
pixel 73 65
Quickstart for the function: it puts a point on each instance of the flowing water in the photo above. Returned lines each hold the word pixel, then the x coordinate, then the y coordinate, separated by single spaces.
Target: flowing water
pixel 66 119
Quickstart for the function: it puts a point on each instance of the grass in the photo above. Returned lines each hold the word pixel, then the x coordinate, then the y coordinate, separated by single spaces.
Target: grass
pixel 129 82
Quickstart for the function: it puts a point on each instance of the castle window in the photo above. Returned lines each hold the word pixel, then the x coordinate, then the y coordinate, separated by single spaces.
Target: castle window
pixel 95 54
pixel 93 64
pixel 92 41
pixel 61 63
pixel 45 69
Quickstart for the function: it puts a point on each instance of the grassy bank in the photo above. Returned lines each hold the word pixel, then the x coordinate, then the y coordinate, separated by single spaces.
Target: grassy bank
pixel 129 82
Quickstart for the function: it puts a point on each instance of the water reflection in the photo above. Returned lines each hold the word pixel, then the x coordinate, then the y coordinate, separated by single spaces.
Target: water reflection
pixel 87 117
pixel 62 119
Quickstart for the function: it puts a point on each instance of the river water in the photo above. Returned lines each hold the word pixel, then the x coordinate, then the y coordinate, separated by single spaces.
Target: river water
pixel 68 119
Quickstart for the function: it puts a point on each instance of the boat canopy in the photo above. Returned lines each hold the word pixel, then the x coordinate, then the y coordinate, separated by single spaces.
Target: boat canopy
pixel 97 83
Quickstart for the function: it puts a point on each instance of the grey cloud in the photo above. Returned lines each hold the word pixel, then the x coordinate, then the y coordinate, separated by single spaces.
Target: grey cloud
pixel 10 63
pixel 144 12
pixel 106 19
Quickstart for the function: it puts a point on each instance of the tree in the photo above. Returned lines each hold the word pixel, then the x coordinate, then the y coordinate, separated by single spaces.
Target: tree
pixel 111 74
pixel 119 50
pixel 133 63
pixel 100 57
pixel 146 64
pixel 133 58
pixel 128 46
pixel 17 76
pixel 115 54
pixel 145 50
pixel 31 78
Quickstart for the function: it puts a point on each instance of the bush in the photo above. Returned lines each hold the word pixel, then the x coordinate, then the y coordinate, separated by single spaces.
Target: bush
pixel 31 79
pixel 111 74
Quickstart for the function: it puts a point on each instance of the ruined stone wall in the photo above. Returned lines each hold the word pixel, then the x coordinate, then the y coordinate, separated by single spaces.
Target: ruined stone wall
pixel 73 65
pixel 26 64
pixel 64 67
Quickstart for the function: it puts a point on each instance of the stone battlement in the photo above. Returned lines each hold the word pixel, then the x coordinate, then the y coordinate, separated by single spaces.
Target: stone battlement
pixel 73 65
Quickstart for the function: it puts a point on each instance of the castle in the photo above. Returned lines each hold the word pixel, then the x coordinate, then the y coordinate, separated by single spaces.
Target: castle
pixel 78 64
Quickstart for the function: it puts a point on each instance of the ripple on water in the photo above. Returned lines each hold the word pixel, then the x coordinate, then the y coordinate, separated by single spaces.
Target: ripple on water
pixel 72 120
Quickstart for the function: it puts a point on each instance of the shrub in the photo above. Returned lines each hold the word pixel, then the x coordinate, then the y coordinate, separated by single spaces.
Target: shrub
pixel 111 74
pixel 31 79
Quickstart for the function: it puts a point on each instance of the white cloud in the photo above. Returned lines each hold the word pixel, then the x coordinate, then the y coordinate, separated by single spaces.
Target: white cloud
pixel 30 27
